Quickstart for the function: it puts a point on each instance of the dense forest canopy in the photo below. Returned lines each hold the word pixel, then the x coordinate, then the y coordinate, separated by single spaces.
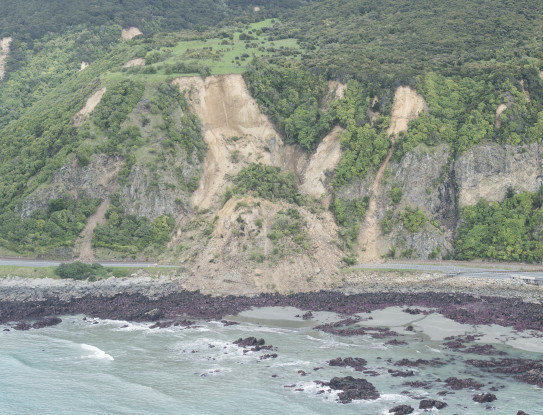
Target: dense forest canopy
pixel 394 40
pixel 31 19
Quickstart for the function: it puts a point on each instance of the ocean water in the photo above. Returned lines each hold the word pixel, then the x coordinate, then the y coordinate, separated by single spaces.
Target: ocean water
pixel 114 367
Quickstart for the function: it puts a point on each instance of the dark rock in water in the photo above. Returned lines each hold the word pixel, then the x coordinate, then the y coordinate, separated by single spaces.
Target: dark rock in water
pixel 22 326
pixel 395 342
pixel 454 344
pixel 457 384
pixel 161 325
pixel 6 329
pixel 419 362
pixel 402 374
pixel 522 413
pixel 124 326
pixel 46 322
pixel 302 373
pixel 401 410
pixel 410 328
pixel 308 315
pixel 249 342
pixel 356 363
pixel 525 370
pixel 484 349
pixel 229 323
pixel 415 311
pixel 532 377
pixel 255 344
pixel 184 323
pixel 431 403
pixel 269 356
pixel 484 397
pixel 353 389
pixel 339 330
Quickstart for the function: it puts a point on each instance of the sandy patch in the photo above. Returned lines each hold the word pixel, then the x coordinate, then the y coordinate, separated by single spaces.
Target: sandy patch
pixel 98 218
pixel 407 106
pixel 84 65
pixel 326 158
pixel 4 51
pixel 235 130
pixel 134 62
pixel 499 111
pixel 91 103
pixel 336 90
pixel 130 33
pixel 256 9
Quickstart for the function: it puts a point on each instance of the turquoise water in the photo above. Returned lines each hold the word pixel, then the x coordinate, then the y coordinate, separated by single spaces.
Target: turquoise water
pixel 105 368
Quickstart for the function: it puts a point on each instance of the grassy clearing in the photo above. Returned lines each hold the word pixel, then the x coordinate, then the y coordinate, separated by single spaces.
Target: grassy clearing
pixel 227 54
pixel 27 272
pixel 118 272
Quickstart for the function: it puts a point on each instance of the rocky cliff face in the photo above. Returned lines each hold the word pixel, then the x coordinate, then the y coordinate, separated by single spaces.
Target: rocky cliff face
pixel 439 186
pixel 237 134
pixel 97 180
pixel 488 170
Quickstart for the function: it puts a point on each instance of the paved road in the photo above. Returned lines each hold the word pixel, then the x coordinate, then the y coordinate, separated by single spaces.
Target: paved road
pixel 40 264
pixel 511 271
pixel 458 270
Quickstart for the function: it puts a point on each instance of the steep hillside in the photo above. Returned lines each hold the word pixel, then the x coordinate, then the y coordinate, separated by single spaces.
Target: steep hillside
pixel 258 152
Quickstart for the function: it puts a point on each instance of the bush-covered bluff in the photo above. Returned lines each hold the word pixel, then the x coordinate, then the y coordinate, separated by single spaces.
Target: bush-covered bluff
pixel 292 162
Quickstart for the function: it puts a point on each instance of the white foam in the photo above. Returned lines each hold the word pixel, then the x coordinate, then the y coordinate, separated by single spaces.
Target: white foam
pixel 98 354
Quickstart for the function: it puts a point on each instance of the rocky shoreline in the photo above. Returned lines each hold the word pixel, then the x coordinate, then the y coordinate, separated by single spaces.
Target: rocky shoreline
pixel 505 302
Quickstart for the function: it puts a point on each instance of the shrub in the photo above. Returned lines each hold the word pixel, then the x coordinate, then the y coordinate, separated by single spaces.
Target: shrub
pixel 78 270
pixel 413 219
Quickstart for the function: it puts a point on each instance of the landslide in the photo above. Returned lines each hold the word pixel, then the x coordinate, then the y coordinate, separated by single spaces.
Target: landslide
pixel 407 105
pixel 234 129
pixel 4 51
pixel 90 104
pixel 229 244
pixel 237 251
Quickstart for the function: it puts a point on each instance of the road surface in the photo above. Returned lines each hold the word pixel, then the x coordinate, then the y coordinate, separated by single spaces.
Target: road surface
pixel 452 269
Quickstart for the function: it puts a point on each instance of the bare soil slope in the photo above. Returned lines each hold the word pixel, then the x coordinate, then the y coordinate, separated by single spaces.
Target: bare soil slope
pixel 85 239
pixel 134 62
pixel 499 111
pixel 238 257
pixel 325 158
pixel 4 51
pixel 234 129
pixel 91 103
pixel 129 33
pixel 408 104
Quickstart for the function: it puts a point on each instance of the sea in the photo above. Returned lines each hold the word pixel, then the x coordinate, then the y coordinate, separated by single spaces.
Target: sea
pixel 93 366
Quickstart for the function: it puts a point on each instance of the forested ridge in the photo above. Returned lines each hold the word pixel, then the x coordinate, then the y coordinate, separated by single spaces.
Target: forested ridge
pixel 465 59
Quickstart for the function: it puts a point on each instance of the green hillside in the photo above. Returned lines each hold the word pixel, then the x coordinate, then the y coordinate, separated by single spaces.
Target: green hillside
pixel 465 59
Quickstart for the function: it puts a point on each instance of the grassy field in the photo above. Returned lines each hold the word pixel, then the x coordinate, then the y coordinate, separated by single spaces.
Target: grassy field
pixel 49 272
pixel 227 54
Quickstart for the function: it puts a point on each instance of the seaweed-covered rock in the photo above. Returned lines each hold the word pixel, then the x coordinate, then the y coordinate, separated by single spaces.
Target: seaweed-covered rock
pixel 484 397
pixel 431 403
pixel 46 322
pixel 401 410
pixel 457 384
pixel 357 363
pixel 353 389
